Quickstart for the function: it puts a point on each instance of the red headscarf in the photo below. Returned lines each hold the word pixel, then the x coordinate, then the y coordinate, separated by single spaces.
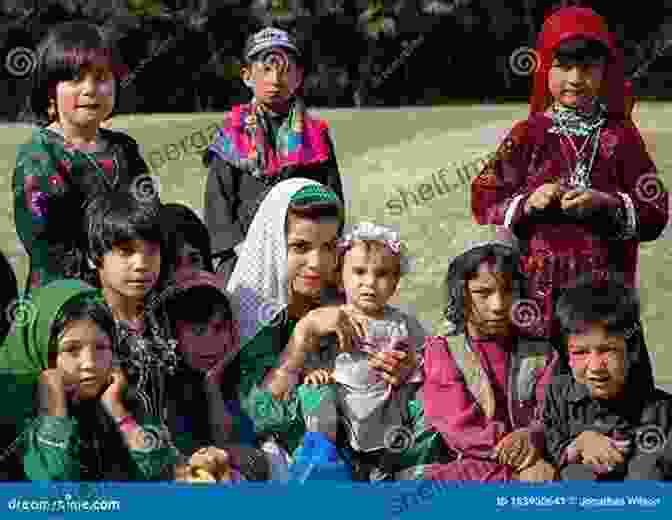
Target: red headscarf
pixel 569 23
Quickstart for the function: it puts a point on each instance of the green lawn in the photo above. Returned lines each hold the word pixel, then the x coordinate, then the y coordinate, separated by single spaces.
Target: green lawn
pixel 379 152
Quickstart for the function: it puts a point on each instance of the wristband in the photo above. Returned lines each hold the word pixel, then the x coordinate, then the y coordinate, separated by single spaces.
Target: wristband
pixel 127 424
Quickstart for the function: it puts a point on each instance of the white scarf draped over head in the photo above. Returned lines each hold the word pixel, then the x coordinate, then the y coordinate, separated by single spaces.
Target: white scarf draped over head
pixel 258 284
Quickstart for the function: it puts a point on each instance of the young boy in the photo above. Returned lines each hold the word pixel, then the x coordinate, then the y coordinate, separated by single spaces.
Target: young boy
pixel 262 143
pixel 127 246
pixel 604 418
pixel 574 182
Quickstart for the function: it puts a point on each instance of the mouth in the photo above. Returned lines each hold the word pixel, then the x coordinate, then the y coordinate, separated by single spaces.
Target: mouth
pixel 88 381
pixel 311 280
pixel 94 106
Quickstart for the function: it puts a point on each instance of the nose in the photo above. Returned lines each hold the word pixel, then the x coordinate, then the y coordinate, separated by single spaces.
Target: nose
pixel 89 85
pixel 140 262
pixel 498 302
pixel 88 358
pixel 597 361
pixel 575 75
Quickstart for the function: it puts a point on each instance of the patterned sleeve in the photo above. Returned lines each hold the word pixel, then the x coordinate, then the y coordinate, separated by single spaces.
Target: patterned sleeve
pixel 645 200
pixel 39 192
pixel 417 334
pixel 499 192
pixel 51 451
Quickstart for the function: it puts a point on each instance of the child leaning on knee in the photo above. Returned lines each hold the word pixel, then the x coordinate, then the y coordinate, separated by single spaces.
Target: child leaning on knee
pixel 373 261
pixel 604 418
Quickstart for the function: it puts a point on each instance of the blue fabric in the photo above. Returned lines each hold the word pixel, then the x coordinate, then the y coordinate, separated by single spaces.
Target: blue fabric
pixel 319 459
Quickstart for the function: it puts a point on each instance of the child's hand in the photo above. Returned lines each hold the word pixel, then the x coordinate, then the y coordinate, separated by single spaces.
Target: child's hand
pixel 112 397
pixel 207 465
pixel 598 450
pixel 543 197
pixel 394 365
pixel 516 450
pixel 584 202
pixel 333 320
pixel 52 392
pixel 319 377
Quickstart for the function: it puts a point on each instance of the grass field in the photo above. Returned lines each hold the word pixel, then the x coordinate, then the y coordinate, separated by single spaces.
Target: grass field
pixel 380 152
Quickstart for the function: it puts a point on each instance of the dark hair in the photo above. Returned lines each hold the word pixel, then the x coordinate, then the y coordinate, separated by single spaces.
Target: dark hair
pixel 591 301
pixel 83 307
pixel 197 305
pixel 581 50
pixel 60 56
pixel 317 210
pixel 187 228
pixel 505 260
pixel 120 216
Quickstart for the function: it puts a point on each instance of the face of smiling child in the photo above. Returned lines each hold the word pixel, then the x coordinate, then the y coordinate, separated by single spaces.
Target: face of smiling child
pixel 274 77
pixel 87 100
pixel 572 84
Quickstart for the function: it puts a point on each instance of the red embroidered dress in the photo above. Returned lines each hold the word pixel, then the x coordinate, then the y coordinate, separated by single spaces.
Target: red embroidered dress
pixel 558 248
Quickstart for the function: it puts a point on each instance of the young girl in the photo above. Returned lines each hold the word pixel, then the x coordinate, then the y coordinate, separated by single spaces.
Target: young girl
pixel 69 159
pixel 284 269
pixel 484 385
pixel 374 260
pixel 263 142
pixel 192 241
pixel 59 371
pixel 574 182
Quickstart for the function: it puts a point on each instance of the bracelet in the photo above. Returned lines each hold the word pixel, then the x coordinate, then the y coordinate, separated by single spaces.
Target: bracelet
pixel 127 424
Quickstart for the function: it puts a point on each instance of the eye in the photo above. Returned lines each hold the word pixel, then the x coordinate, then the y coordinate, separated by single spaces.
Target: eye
pixel 199 329
pixel 300 247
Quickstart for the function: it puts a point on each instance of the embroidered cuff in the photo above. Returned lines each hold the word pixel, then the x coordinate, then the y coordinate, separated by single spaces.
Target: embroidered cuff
pixel 629 219
pixel 511 216
pixel 56 432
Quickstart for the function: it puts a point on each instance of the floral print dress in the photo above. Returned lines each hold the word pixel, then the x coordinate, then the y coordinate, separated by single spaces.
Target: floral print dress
pixel 52 184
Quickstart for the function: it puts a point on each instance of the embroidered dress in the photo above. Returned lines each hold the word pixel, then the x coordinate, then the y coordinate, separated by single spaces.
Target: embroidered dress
pixel 86 444
pixel 52 183
pixel 253 151
pixel 594 147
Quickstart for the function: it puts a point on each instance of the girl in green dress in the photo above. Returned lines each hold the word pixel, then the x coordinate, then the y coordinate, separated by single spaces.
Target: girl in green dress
pixel 66 408
pixel 69 158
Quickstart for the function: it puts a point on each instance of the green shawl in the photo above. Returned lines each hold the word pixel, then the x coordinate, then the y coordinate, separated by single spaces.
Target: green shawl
pixel 25 354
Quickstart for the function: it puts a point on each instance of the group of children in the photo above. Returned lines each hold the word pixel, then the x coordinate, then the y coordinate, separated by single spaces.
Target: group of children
pixel 261 345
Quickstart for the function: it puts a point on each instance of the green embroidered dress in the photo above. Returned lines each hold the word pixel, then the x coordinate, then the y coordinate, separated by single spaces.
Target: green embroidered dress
pixel 52 184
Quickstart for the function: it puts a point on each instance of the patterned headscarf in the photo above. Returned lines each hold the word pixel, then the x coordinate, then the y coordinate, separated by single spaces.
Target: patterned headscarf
pixel 567 24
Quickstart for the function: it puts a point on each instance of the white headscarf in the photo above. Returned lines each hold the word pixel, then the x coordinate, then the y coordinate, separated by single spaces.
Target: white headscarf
pixel 258 284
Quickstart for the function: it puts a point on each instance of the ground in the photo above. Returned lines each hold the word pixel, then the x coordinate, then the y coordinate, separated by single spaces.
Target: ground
pixel 381 152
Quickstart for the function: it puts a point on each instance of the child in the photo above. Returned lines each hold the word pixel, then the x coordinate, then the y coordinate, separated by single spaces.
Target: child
pixel 605 420
pixel 84 429
pixel 128 248
pixel 574 182
pixel 69 159
pixel 261 143
pixel 203 408
pixel 192 241
pixel 484 388
pixel 373 262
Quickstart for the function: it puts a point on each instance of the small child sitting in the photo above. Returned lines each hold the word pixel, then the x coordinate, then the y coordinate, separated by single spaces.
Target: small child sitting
pixel 605 419
pixel 373 262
